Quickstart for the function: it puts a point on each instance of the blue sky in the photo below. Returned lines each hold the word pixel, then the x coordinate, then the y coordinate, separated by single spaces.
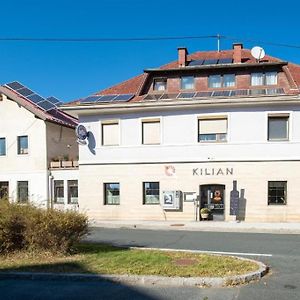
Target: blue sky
pixel 74 70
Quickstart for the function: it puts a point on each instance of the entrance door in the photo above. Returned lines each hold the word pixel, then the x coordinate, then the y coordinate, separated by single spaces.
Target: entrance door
pixel 212 197
pixel 3 190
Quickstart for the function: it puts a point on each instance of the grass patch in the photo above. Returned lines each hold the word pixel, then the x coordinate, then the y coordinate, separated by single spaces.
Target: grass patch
pixel 106 259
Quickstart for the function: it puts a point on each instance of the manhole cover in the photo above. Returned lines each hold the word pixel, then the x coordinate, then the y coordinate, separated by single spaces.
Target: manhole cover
pixel 185 262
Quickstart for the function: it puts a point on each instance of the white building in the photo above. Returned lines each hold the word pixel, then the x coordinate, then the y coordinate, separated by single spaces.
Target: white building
pixel 220 128
pixel 33 133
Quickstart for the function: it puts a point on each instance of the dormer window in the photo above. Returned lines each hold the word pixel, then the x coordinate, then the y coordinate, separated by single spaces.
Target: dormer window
pixel 221 81
pixel 160 84
pixel 267 78
pixel 187 82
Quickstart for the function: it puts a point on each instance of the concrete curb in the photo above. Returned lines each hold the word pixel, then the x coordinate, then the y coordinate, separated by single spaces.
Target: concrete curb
pixel 215 282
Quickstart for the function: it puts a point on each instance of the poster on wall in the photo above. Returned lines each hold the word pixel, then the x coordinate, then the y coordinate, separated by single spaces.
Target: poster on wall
pixel 171 200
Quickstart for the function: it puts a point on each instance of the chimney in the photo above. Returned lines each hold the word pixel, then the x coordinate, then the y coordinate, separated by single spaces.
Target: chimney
pixel 237 52
pixel 182 54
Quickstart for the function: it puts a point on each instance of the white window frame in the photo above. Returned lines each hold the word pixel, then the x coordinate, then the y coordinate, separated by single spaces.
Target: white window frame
pixel 289 115
pixel 194 83
pixel 264 78
pixel 149 120
pixel 5 140
pixel 221 82
pixel 108 122
pixel 161 79
pixel 28 145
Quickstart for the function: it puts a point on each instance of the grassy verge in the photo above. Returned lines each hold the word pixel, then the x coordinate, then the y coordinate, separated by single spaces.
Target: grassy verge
pixel 105 259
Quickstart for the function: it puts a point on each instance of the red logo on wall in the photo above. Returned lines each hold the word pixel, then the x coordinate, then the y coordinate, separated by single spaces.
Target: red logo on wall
pixel 170 170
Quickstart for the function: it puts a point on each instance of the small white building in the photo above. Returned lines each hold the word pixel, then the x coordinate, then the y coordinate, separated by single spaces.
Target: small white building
pixel 33 134
pixel 213 129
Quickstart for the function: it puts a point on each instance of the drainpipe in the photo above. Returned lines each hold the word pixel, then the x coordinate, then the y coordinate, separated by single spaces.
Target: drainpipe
pixel 50 191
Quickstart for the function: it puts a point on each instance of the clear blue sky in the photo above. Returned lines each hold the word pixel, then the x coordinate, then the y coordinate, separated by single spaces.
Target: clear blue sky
pixel 73 70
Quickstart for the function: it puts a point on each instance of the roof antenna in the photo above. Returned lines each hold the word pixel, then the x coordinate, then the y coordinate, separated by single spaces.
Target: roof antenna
pixel 218 41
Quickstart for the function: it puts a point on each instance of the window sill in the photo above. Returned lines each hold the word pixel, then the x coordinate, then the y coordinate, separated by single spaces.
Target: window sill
pixel 276 204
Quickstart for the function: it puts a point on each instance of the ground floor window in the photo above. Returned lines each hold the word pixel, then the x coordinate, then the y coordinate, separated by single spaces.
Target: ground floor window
pixel 72 191
pixel 150 192
pixel 277 192
pixel 4 189
pixel 112 193
pixel 22 191
pixel 59 195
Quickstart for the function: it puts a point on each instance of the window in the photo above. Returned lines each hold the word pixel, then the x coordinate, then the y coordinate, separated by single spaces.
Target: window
pixel 187 82
pixel 111 193
pixel 151 132
pixel 278 128
pixel 110 133
pixel 4 189
pixel 277 192
pixel 160 84
pixel 212 130
pixel 150 192
pixel 218 81
pixel 72 191
pixel 22 191
pixel 23 144
pixel 2 146
pixel 59 195
pixel 267 78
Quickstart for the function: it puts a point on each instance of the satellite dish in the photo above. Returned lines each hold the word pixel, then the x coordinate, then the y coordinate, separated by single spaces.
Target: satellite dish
pixel 258 52
pixel 82 134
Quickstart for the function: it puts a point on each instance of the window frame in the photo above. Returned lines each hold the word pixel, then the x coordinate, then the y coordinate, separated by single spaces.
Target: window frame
pixel 54 191
pixel 19 152
pixel 285 193
pixel 264 81
pixel 105 202
pixel 5 150
pixel 151 120
pixel 144 193
pixel 69 187
pixel 222 86
pixel 208 118
pixel 110 122
pixel 279 116
pixel 160 79
pixel 18 191
pixel 181 83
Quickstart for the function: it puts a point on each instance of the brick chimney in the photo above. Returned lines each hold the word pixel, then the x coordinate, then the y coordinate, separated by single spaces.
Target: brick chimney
pixel 182 56
pixel 237 52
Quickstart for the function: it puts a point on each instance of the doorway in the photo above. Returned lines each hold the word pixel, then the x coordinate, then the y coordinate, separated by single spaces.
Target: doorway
pixel 212 196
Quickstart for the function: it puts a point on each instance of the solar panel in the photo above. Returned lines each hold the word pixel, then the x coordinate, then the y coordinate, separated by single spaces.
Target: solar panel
pixel 152 97
pixel 203 94
pixel 257 92
pixel 197 62
pixel 221 93
pixel 239 93
pixel 210 62
pixel 168 96
pixel 124 97
pixel 35 98
pixel 25 91
pixel 54 100
pixel 186 95
pixel 15 85
pixel 225 61
pixel 46 105
pixel 106 98
pixel 90 99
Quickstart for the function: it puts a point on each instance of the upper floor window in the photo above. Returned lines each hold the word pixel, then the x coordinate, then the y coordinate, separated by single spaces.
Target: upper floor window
pixel 23 144
pixel 277 192
pixel 112 193
pixel 187 82
pixel 278 127
pixel 267 78
pixel 2 146
pixel 151 132
pixel 110 133
pixel 212 130
pixel 160 84
pixel 219 81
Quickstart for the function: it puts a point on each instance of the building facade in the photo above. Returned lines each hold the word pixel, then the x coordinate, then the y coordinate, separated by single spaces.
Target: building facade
pixel 34 133
pixel 213 129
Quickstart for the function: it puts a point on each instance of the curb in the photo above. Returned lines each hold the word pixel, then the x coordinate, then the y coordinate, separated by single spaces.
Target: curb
pixel 214 282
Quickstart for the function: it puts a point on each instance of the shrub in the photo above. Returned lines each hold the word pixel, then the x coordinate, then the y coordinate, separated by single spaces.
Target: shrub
pixel 25 227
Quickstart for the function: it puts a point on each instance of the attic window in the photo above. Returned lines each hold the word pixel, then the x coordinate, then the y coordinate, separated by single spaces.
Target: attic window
pixel 160 84
pixel 267 78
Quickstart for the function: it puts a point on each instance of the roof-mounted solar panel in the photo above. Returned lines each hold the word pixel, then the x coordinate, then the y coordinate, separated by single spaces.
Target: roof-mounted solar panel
pixel 35 98
pixel 168 96
pixel 15 85
pixel 106 98
pixel 94 98
pixel 124 97
pixel 46 105
pixel 152 97
pixel 196 62
pixel 239 93
pixel 225 61
pixel 203 94
pixel 257 92
pixel 25 92
pixel 210 62
pixel 221 93
pixel 186 95
pixel 54 100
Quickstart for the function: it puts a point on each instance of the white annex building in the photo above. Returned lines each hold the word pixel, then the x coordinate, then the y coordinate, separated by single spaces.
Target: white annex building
pixel 34 137
pixel 212 129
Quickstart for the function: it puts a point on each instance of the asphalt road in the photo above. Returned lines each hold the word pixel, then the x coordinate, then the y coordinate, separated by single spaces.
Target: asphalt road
pixel 281 252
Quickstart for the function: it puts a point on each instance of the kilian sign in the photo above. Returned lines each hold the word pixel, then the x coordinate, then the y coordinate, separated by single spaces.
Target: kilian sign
pixel 212 171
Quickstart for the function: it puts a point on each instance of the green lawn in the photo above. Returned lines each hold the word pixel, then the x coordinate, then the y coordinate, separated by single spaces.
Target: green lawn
pixel 105 259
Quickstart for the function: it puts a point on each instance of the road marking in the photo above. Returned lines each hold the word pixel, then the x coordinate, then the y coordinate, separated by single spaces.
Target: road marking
pixel 205 251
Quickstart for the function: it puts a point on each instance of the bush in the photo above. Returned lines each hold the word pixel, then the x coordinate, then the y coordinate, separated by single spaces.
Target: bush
pixel 25 227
